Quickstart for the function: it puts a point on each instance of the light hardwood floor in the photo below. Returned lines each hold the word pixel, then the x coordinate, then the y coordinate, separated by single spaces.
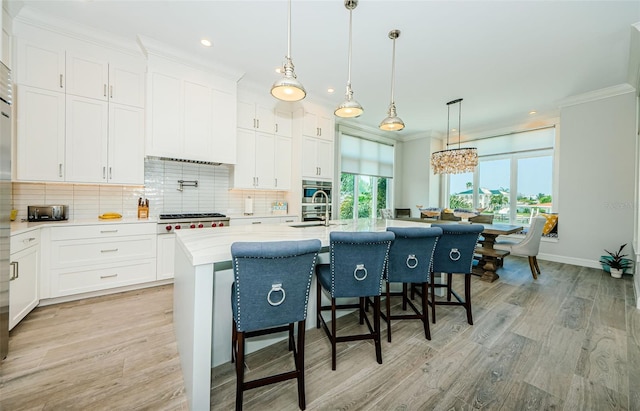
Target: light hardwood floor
pixel 568 341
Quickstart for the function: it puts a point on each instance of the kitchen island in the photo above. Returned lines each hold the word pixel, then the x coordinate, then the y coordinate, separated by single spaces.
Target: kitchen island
pixel 202 285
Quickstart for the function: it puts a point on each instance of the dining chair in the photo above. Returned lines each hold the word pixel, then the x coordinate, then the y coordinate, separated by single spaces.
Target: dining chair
pixel 482 218
pixel 270 294
pixel 529 246
pixel 410 259
pixel 385 213
pixel 449 217
pixel 454 255
pixel 355 271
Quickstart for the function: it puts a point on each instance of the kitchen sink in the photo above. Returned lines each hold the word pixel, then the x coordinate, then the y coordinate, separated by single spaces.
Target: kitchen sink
pixel 313 225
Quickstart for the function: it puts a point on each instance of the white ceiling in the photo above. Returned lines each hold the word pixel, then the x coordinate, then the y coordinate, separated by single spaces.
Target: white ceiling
pixel 505 58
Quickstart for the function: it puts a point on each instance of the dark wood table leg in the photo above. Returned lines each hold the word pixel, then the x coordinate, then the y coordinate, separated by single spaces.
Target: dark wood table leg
pixel 487 265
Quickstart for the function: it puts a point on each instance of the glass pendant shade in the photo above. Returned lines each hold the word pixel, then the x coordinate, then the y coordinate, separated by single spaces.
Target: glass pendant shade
pixel 288 88
pixel 392 122
pixel 454 160
pixel 349 108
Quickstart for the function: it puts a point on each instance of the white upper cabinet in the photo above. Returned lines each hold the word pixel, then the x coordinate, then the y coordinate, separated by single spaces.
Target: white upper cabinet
pixel 317 158
pixel 126 84
pixel 191 113
pixel 66 97
pixel 283 123
pixel 101 80
pixel 87 77
pixel 252 116
pixel 86 141
pixel 40 66
pixel 264 145
pixel 317 124
pixel 40 142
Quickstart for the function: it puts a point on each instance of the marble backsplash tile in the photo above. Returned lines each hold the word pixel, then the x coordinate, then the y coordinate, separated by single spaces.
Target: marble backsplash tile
pixel 213 193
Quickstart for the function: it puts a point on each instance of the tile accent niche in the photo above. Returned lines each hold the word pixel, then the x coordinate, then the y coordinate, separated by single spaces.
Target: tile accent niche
pixel 87 201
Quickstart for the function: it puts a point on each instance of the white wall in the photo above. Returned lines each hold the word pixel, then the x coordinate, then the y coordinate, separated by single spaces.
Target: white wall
pixel 596 178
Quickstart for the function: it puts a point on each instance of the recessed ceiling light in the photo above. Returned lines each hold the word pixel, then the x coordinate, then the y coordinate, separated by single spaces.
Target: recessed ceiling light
pixel 532 112
pixel 330 90
pixel 205 42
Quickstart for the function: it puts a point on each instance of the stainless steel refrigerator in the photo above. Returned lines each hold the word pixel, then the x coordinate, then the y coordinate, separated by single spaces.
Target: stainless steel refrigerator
pixel 5 204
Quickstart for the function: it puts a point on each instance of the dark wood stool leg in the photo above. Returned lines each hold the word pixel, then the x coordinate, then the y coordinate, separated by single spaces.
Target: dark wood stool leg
pixel 425 312
pixel 467 297
pixel 302 401
pixel 240 371
pixel 433 299
pixel 318 302
pixel 535 262
pixel 376 328
pixel 388 306
pixel 333 333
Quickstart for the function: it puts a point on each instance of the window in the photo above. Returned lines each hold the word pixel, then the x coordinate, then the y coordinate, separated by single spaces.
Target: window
pixel 514 177
pixel 365 181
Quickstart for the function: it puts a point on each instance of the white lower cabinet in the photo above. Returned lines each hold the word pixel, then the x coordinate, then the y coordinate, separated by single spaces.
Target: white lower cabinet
pixel 101 256
pixel 166 256
pixel 23 285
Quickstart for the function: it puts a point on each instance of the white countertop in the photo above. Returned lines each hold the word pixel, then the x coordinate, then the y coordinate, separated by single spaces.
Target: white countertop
pixel 213 245
pixel 19 227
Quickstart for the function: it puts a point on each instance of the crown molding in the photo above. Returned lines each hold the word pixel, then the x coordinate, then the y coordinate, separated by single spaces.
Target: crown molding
pixel 595 95
pixel 27 16
pixel 151 46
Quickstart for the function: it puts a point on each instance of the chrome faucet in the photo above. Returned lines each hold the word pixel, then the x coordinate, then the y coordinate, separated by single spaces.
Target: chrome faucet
pixel 326 207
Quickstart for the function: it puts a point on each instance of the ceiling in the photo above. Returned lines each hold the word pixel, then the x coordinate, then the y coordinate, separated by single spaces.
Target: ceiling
pixel 504 58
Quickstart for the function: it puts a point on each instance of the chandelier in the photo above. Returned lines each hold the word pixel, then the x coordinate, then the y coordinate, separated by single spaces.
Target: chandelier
pixel 454 160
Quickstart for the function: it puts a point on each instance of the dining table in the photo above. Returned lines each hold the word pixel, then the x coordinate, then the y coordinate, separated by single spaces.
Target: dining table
pixel 489 255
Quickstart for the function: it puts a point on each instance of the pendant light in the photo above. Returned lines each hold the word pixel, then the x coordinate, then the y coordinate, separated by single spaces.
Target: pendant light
pixel 454 160
pixel 349 107
pixel 392 122
pixel 288 88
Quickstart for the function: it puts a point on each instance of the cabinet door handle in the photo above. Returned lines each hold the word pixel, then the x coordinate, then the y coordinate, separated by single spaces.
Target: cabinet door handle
pixel 59 169
pixel 102 277
pixel 105 90
pixel 320 131
pixel 15 274
pixel 258 123
pixel 110 174
pixel 276 182
pixel 61 86
pixel 276 127
pixel 104 172
pixel 108 231
pixel 256 222
pixel 28 240
pixel 257 181
pixel 110 91
pixel 111 250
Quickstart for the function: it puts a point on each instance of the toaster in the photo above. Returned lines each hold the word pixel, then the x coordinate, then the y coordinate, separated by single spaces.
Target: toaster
pixel 47 212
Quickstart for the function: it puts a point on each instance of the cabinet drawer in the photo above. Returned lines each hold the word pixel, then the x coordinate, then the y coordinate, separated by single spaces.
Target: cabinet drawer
pixel 77 253
pixel 101 231
pixel 67 282
pixel 23 241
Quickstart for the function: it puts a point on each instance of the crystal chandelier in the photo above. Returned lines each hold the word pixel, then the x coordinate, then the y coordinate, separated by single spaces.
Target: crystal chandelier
pixel 454 160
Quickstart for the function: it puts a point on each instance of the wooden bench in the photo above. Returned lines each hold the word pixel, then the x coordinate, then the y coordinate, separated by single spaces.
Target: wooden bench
pixel 491 252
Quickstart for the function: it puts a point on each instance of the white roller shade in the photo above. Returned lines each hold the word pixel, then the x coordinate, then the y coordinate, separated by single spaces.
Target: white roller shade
pixel 514 143
pixel 366 157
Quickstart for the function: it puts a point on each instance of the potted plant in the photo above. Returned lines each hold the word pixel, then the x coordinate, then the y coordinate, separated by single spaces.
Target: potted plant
pixel 615 262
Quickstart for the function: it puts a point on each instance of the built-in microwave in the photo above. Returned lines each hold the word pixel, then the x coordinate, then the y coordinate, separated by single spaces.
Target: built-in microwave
pixel 309 188
pixel 315 209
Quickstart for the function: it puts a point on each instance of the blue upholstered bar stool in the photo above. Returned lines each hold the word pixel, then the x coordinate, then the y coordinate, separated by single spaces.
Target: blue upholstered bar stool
pixel 270 294
pixel 410 260
pixel 454 255
pixel 356 268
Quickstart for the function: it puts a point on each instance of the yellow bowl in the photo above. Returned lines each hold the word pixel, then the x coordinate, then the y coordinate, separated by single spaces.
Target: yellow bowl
pixel 14 214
